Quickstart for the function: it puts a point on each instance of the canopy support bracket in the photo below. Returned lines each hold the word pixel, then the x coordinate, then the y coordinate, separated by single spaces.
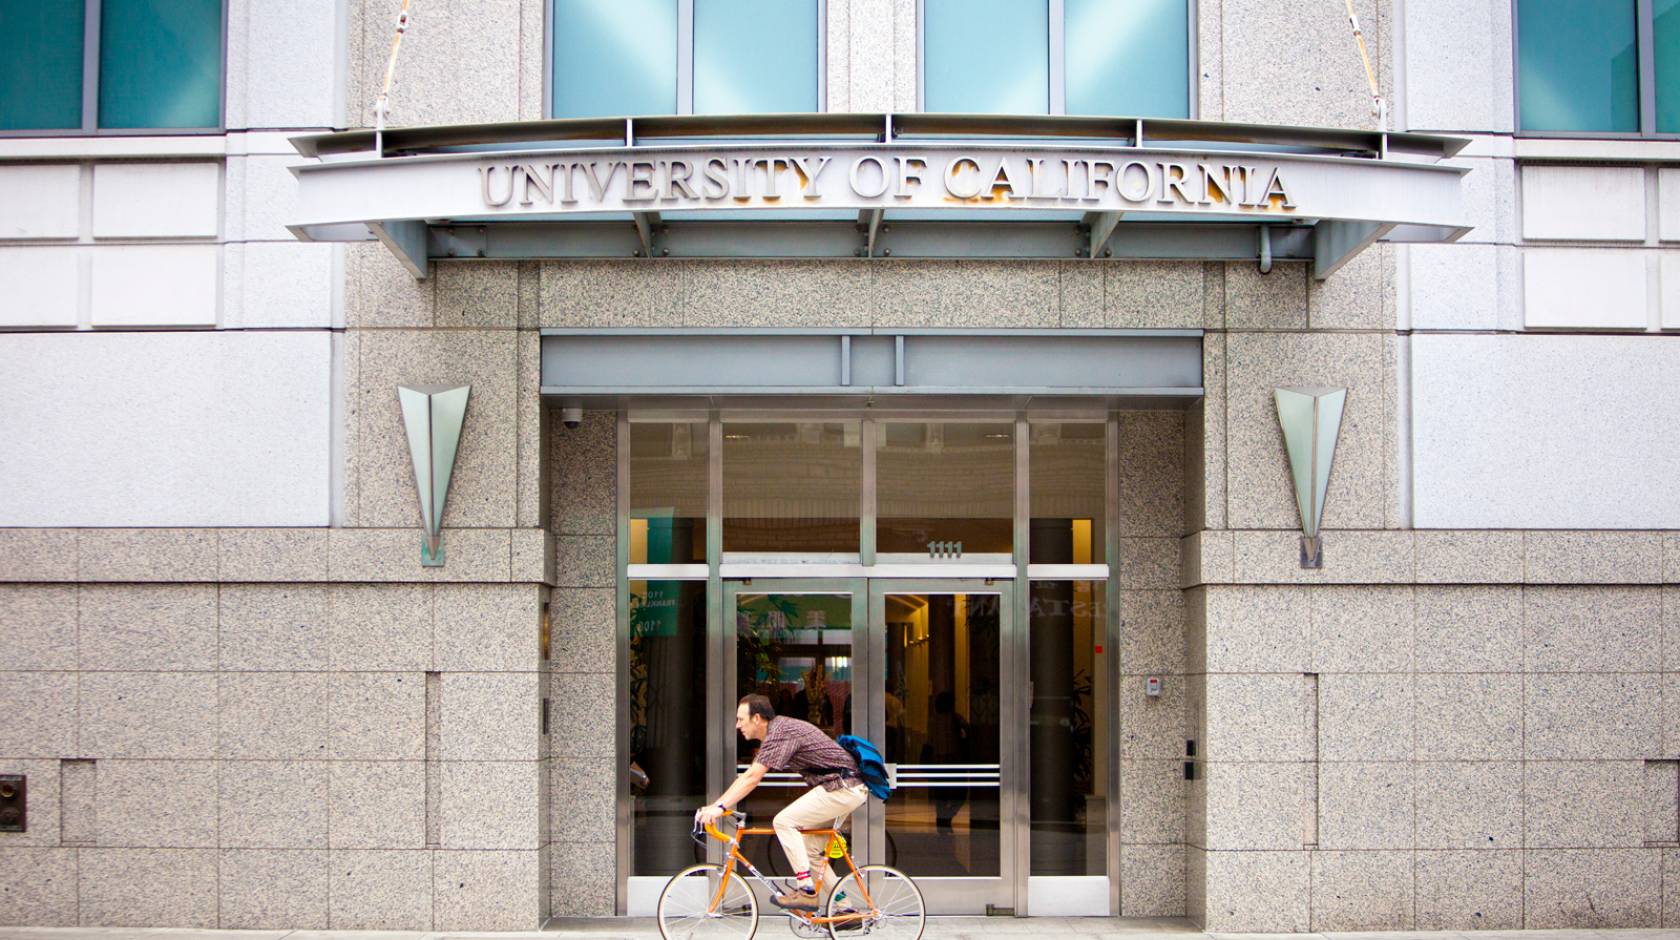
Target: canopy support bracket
pixel 1335 242
pixel 406 238
pixel 869 222
pixel 646 223
pixel 1102 226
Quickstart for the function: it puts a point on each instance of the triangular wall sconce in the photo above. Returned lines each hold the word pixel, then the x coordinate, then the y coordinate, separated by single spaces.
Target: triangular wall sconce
pixel 1312 420
pixel 433 416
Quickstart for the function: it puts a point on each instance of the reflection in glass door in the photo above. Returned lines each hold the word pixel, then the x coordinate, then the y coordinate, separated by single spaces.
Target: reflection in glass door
pixel 939 649
pixel 793 644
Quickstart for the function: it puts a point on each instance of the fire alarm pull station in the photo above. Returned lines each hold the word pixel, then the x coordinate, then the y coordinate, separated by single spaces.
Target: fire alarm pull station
pixel 1152 686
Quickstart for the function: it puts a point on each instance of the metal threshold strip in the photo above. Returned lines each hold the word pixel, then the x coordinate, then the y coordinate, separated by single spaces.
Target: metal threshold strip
pixel 876 187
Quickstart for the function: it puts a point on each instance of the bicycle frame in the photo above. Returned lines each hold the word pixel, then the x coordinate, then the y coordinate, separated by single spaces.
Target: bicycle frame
pixel 735 857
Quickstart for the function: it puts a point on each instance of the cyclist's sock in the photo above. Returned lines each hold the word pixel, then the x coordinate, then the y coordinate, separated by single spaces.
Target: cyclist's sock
pixel 802 881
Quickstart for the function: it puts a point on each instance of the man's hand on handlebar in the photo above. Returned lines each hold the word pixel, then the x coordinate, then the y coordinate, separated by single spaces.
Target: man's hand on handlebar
pixel 706 815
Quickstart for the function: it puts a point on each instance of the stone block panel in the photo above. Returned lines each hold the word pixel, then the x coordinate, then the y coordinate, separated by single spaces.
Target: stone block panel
pixel 1592 629
pixel 161 715
pixel 1576 888
pixel 380 890
pixel 381 627
pixel 1469 716
pixel 42 555
pixel 168 627
pixel 1584 804
pixel 1361 629
pixel 494 716
pixel 1362 891
pixel 272 889
pixel 377 805
pixel 485 627
pixel 488 805
pixel 1257 629
pixel 584 627
pixel 1256 806
pixel 1469 557
pixel 156 804
pixel 1469 805
pixel 1591 717
pixel 41 710
pixel 41 889
pixel 582 880
pixel 1469 890
pixel 1350 557
pixel 1365 718
pixel 487 890
pixel 378 716
pixel 1152 881
pixel 1592 557
pixel 1365 805
pixel 146 887
pixel 1469 629
pixel 1261 494
pixel 582 808
pixel 272 555
pixel 39 623
pixel 274 627
pixel 274 805
pixel 1267 892
pixel 1152 796
pixel 275 716
pixel 1264 717
pixel 45 804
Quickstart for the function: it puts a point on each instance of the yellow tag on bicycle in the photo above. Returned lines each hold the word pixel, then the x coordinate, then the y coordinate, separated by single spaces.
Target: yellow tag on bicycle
pixel 837 846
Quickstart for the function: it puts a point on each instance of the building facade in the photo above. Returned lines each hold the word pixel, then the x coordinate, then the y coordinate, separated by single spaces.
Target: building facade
pixel 997 480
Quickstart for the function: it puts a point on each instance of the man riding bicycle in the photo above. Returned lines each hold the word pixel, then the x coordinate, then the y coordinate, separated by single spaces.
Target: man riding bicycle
pixel 836 790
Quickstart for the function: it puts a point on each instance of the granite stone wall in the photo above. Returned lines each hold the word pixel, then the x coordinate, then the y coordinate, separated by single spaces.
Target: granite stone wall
pixel 258 755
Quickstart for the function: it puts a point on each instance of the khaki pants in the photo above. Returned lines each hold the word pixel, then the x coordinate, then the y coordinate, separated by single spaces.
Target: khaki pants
pixel 817 809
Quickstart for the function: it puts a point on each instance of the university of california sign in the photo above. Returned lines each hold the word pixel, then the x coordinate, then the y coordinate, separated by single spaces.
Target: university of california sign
pixel 1097 182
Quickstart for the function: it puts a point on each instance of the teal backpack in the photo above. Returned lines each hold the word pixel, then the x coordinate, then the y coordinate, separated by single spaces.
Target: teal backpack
pixel 871 767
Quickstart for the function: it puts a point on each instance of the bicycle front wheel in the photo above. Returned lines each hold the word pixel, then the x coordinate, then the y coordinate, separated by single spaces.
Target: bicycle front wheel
pixel 878 902
pixel 707 902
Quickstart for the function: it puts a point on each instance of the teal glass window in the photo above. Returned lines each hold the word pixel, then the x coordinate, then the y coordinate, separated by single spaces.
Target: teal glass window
pixel 614 57
pixel 755 56
pixel 1666 32
pixel 41 64
pixel 1128 59
pixel 1578 65
pixel 986 56
pixel 160 63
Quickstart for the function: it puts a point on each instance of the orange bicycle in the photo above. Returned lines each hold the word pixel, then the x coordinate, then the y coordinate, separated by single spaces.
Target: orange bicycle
pixel 715 902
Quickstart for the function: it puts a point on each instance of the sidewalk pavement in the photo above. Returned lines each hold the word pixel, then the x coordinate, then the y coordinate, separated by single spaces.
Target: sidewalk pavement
pixel 938 928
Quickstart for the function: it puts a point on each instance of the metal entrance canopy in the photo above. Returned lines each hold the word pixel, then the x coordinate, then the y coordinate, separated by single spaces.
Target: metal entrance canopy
pixel 874 186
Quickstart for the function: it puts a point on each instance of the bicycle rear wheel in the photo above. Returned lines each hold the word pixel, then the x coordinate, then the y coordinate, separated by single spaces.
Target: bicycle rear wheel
pixel 887 904
pixel 702 902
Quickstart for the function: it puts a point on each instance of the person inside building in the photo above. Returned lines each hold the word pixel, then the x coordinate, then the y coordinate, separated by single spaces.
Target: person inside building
pixel 791 744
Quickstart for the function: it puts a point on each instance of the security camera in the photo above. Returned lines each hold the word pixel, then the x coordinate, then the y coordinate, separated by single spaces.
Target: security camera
pixel 571 416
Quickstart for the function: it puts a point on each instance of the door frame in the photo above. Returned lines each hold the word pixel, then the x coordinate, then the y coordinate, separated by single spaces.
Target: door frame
pixel 945 895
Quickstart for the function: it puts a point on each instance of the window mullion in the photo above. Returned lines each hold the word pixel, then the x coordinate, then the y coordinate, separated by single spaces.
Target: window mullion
pixel 90 66
pixel 685 56
pixel 1645 27
pixel 1058 58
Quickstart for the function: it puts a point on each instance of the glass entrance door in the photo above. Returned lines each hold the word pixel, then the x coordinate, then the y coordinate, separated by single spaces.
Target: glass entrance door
pixel 941 679
pixel 922 668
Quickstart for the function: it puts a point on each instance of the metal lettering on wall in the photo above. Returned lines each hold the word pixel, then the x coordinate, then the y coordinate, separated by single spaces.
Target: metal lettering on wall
pixel 926 178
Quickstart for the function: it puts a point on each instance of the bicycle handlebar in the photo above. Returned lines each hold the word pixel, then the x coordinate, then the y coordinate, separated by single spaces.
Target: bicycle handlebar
pixel 711 830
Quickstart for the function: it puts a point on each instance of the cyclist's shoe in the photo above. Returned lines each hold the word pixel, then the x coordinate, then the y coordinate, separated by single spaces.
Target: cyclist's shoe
pixel 796 900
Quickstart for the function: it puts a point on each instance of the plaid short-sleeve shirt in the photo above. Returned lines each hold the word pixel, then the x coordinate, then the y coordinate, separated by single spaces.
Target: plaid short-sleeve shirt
pixel 800 746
